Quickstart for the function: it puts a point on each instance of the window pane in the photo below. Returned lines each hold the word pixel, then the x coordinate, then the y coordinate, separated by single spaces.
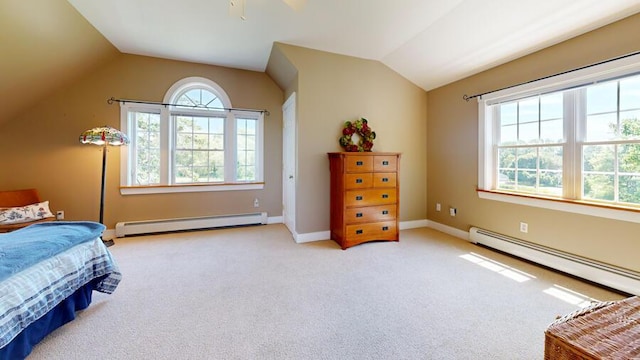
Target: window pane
pixel 630 189
pixel 630 93
pixel 598 158
pixel 146 146
pixel 202 138
pixel 526 173
pixel 630 124
pixel 509 114
pixel 551 131
pixel 529 132
pixel 551 106
pixel 184 141
pixel 200 125
pixel 200 158
pixel 201 141
pixel 200 98
pixel 216 125
pixel 506 168
pixel 629 158
pixel 509 134
pixel 598 187
pixel 184 158
pixel 185 124
pixel 598 174
pixel 246 167
pixel 602 98
pixel 601 127
pixel 527 158
pixel 216 142
pixel 550 181
pixel 528 110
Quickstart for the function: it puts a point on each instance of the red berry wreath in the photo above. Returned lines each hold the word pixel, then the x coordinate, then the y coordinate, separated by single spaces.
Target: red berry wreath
pixel 364 132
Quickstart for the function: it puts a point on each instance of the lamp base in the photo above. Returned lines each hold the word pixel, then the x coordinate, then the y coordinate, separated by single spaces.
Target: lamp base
pixel 108 243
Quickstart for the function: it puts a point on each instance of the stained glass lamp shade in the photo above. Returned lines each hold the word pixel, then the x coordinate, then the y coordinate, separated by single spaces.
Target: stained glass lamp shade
pixel 104 136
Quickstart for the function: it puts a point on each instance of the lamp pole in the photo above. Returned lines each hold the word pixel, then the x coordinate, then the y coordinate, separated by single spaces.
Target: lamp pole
pixel 104 168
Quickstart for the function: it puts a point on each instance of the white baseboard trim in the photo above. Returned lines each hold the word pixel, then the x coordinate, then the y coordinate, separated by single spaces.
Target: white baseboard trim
pixel 309 237
pixel 413 224
pixel 464 235
pixel 275 220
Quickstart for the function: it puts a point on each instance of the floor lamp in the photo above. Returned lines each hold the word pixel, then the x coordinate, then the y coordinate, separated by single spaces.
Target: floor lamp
pixel 104 136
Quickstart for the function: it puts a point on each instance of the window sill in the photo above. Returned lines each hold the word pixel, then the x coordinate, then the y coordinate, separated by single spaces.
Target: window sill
pixel 576 207
pixel 169 189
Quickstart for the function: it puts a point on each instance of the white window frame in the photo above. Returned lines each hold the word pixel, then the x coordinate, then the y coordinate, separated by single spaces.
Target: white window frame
pixel 167 143
pixel 487 132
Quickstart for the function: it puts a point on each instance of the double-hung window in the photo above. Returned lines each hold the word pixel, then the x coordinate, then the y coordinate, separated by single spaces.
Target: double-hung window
pixel 194 141
pixel 575 137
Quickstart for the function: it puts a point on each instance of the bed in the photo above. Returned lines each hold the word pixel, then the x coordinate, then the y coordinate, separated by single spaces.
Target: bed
pixel 48 271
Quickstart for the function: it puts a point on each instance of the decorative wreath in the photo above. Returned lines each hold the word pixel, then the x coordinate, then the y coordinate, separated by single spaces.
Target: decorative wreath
pixel 364 132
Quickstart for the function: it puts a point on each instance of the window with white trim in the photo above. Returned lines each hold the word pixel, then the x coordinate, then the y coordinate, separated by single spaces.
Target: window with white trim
pixel 198 140
pixel 573 137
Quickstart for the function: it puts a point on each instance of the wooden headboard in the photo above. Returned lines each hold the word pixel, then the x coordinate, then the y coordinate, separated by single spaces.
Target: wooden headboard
pixel 19 197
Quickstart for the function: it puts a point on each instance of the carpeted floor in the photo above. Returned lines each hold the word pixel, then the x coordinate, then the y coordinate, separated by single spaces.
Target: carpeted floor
pixel 252 293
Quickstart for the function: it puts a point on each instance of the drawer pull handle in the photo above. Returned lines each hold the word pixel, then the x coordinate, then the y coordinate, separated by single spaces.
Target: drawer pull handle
pixel 385 212
pixel 359 163
pixel 358 214
pixel 359 231
pixel 385 163
pixel 385 179
pixel 358 181
pixel 385 196
pixel 358 198
pixel 385 228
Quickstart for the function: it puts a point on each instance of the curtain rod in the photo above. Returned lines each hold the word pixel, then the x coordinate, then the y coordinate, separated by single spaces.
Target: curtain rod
pixel 112 100
pixel 467 98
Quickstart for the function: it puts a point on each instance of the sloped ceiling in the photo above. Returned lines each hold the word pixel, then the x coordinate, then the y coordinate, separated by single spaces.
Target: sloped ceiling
pixel 430 42
pixel 43 45
pixel 48 43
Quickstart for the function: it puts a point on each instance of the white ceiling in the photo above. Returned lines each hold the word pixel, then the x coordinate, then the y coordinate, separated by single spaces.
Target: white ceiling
pixel 430 42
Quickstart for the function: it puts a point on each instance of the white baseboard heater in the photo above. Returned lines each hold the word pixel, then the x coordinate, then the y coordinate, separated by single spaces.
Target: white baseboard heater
pixel 193 223
pixel 614 277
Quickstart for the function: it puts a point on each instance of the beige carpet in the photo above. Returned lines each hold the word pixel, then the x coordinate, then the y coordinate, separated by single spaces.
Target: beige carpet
pixel 252 293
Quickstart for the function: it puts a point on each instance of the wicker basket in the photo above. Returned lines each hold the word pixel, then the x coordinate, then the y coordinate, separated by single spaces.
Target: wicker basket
pixel 606 330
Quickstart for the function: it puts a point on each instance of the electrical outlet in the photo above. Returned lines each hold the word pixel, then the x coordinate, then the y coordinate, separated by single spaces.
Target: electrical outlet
pixel 524 227
pixel 453 211
pixel 59 215
pixel 256 202
pixel 438 207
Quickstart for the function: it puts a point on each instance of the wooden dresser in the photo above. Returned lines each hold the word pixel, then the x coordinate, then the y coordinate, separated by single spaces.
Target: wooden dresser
pixel 365 197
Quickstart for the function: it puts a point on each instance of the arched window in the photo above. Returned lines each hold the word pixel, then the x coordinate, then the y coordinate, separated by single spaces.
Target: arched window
pixel 198 138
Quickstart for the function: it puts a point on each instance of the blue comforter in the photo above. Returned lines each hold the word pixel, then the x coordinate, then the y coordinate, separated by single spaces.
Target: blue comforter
pixel 42 240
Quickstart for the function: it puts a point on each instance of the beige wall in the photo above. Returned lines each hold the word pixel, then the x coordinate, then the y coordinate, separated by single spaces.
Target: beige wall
pixel 40 147
pixel 44 44
pixel 453 154
pixel 332 89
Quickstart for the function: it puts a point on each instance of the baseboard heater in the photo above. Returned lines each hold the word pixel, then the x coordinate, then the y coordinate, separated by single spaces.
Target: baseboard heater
pixel 625 280
pixel 192 223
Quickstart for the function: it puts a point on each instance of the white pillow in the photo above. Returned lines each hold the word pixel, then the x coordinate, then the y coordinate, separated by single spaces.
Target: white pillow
pixel 23 214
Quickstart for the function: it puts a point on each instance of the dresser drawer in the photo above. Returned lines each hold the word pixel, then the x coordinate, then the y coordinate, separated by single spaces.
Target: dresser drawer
pixel 370 214
pixel 385 163
pixel 358 180
pixel 384 180
pixel 366 197
pixel 374 231
pixel 358 163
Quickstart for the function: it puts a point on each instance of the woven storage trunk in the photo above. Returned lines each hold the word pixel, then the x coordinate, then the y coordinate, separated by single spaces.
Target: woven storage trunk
pixel 608 330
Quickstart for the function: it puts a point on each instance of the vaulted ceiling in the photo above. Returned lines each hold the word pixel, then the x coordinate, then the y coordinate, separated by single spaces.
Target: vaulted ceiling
pixel 47 43
pixel 430 42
